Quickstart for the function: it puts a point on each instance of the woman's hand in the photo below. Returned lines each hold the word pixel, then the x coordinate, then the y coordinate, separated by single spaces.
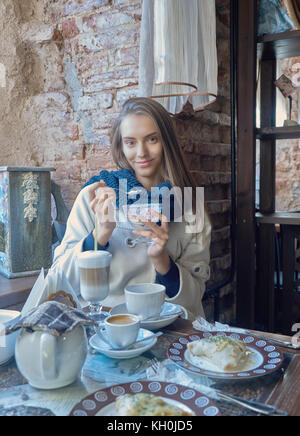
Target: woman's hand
pixel 102 200
pixel 160 237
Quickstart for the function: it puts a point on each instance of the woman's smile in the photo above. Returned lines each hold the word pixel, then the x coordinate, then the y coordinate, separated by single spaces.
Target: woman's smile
pixel 145 164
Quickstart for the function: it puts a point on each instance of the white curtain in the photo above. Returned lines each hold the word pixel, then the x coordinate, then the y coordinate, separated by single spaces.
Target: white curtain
pixel 178 44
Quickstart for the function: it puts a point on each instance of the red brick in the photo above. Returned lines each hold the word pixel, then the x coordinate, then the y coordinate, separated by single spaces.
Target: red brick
pixel 72 48
pixel 71 131
pixel 102 141
pixel 96 101
pixel 68 170
pixel 119 78
pixel 110 39
pixel 72 7
pixel 106 20
pixel 92 63
pixel 57 35
pixel 99 162
pixel 69 29
pixel 124 2
pixel 127 56
pixel 126 93
pixel 103 119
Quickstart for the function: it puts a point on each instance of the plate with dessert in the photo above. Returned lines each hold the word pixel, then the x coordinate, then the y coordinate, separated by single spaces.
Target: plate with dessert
pixel 146 398
pixel 222 355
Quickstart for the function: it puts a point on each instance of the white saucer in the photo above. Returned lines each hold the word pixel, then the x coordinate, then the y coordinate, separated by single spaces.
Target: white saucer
pixel 102 347
pixel 156 324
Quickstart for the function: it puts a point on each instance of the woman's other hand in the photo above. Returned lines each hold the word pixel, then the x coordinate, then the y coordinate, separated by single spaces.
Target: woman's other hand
pixel 160 237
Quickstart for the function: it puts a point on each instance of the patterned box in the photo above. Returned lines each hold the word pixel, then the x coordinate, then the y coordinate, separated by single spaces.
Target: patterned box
pixel 25 220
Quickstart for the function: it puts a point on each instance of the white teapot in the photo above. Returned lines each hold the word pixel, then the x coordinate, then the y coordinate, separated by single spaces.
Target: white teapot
pixel 51 362
pixel 52 346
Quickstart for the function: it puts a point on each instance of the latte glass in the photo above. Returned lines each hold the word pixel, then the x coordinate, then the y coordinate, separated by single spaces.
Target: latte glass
pixel 94 268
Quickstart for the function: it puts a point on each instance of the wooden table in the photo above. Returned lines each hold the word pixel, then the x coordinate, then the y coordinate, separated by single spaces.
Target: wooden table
pixel 14 292
pixel 280 389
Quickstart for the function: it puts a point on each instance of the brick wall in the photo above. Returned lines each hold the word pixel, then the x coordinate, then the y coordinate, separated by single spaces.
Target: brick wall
pixel 78 62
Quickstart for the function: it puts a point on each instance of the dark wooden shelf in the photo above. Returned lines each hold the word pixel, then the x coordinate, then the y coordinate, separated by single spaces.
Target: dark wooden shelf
pixel 14 292
pixel 283 218
pixel 278 132
pixel 279 46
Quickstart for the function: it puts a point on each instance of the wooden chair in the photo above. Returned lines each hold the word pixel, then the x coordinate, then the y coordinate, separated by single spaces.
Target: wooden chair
pixel 290 271
pixel 62 214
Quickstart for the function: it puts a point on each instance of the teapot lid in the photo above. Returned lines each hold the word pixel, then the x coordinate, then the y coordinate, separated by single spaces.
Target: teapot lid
pixel 52 317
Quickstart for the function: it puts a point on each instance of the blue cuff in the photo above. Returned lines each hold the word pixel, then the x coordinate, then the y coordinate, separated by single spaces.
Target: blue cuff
pixel 171 280
pixel 89 244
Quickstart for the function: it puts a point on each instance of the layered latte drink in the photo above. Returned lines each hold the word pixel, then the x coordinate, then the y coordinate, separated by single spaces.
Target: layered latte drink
pixel 94 267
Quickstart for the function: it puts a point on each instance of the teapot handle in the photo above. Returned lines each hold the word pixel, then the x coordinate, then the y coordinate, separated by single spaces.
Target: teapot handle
pixel 47 356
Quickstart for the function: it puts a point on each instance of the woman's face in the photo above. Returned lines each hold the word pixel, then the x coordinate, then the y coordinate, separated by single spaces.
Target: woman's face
pixel 143 149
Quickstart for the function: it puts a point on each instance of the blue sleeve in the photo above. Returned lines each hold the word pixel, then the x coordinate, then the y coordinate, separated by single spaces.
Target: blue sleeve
pixel 171 280
pixel 89 244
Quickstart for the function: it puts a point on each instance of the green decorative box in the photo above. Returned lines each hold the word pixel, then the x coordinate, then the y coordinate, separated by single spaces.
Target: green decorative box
pixel 25 220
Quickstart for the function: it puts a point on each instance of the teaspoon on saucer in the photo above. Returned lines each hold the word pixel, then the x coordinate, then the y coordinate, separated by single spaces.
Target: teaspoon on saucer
pixel 154 318
pixel 155 335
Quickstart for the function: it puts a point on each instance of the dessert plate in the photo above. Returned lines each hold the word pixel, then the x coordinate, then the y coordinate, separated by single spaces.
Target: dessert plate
pixel 265 357
pixel 102 403
pixel 169 310
pixel 101 346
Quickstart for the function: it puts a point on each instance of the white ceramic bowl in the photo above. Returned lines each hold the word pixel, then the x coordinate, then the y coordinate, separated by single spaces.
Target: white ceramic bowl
pixel 7 342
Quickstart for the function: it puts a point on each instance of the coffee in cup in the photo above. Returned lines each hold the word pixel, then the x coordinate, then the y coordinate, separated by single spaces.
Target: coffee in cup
pixel 145 299
pixel 122 330
pixel 94 268
pixel 122 319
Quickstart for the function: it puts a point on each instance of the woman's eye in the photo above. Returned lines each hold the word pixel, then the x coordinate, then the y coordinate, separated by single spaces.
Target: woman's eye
pixel 153 140
pixel 129 143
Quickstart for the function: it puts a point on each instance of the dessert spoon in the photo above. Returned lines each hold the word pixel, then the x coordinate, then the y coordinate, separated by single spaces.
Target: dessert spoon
pixel 128 347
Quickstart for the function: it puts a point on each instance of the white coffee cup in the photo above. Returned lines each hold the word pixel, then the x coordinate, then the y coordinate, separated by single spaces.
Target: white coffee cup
pixel 145 299
pixel 122 330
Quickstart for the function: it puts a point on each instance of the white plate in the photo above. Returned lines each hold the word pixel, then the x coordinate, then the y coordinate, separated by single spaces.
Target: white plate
pixel 266 358
pixel 168 309
pixel 102 347
pixel 102 403
pixel 7 342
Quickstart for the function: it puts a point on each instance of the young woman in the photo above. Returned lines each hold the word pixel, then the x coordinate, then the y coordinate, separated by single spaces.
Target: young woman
pixel 147 153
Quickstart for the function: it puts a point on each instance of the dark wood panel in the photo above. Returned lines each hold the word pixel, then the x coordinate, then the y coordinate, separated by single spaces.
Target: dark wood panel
pixel 279 46
pixel 265 296
pixel 14 292
pixel 289 218
pixel 277 133
pixel 246 160
pixel 267 147
pixel 291 298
